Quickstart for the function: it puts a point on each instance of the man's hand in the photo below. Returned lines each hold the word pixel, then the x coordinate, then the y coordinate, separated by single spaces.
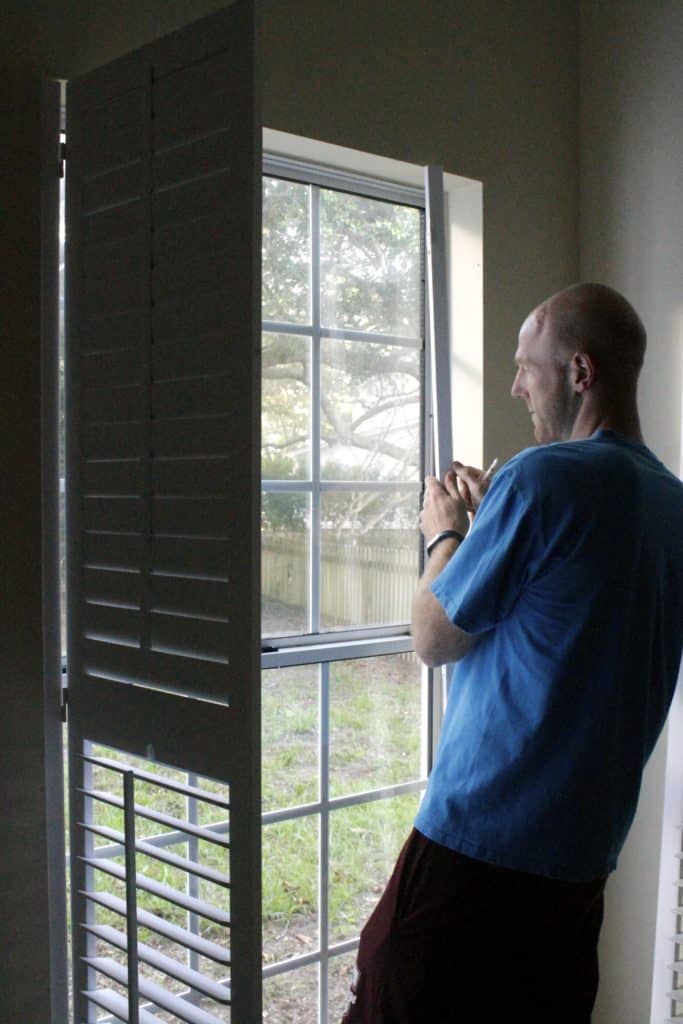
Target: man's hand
pixel 472 484
pixel 443 507
pixel 453 504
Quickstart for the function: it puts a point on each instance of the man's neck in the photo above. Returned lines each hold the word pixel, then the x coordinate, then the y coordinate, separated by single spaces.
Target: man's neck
pixel 625 423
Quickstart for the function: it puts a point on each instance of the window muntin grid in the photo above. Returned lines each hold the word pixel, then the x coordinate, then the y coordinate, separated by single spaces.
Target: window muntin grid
pixel 308 963
pixel 326 861
pixel 342 404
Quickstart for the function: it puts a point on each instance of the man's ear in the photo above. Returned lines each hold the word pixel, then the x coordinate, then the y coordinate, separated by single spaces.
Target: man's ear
pixel 581 371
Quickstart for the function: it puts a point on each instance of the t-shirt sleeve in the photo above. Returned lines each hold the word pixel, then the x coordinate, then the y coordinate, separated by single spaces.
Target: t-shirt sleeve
pixel 486 575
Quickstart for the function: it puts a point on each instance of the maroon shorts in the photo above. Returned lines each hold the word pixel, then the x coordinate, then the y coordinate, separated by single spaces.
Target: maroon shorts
pixel 455 941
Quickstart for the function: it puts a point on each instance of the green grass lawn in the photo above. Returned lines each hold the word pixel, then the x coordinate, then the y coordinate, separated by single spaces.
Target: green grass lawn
pixel 374 742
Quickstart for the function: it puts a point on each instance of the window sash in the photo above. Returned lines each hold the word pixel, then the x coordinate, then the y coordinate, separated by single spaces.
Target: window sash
pixel 330 644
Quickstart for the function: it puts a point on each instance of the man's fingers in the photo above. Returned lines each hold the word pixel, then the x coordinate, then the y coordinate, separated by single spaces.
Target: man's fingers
pixel 450 482
pixel 432 484
pixel 432 487
pixel 470 474
pixel 475 481
pixel 443 507
pixel 464 491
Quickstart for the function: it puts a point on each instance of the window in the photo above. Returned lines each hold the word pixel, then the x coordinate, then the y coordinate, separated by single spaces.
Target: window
pixel 345 704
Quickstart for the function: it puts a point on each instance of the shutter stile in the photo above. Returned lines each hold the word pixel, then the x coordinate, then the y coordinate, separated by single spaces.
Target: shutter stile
pixel 163 214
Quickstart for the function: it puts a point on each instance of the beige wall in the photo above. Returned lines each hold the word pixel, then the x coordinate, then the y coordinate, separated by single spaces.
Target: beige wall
pixel 487 88
pixel 631 147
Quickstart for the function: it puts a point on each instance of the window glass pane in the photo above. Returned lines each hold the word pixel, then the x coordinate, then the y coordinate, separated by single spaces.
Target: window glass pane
pixel 370 264
pixel 290 888
pixel 290 724
pixel 369 557
pixel 292 998
pixel 370 411
pixel 364 842
pixel 285 407
pixel 355 565
pixel 285 271
pixel 375 713
pixel 285 530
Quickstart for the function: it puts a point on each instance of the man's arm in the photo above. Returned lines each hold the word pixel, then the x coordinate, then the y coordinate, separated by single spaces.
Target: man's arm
pixel 437 640
pixel 447 506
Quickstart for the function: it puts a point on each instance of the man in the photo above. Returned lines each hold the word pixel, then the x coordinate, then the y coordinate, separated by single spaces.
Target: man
pixel 558 590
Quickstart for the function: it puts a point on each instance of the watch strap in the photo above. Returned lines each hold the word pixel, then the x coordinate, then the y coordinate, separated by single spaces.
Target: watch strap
pixel 443 535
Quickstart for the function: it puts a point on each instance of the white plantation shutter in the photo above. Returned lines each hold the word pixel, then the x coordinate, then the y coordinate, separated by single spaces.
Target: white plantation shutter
pixel 163 244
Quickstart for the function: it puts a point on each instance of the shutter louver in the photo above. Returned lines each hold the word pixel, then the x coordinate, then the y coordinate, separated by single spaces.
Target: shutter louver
pixel 159 264
pixel 163 243
pixel 190 884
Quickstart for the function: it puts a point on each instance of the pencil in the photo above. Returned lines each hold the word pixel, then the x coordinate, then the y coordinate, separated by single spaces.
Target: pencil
pixel 489 471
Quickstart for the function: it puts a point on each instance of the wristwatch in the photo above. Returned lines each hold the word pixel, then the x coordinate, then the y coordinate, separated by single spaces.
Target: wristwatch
pixel 442 535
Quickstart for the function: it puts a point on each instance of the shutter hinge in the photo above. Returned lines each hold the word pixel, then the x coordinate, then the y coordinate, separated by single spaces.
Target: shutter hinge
pixel 65 703
pixel 62 158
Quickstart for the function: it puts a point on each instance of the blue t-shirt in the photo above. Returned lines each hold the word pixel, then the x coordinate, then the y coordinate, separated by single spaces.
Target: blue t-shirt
pixel 572 579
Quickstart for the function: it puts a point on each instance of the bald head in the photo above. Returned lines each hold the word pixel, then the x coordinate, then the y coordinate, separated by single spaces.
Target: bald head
pixel 597 320
pixel 578 359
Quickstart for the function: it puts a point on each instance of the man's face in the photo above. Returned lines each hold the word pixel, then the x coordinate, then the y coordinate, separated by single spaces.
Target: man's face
pixel 542 380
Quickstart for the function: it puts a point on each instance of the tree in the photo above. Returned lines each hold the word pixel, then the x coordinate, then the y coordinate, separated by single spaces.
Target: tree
pixel 370 281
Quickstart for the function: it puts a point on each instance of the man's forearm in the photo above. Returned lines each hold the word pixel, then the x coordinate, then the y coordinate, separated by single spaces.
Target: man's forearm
pixel 437 640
